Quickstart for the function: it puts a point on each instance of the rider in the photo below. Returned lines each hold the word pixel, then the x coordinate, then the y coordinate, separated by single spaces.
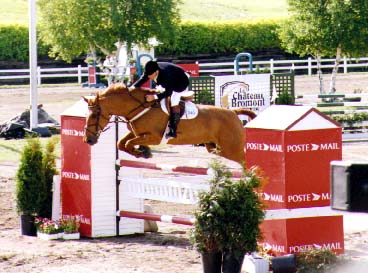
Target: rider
pixel 174 80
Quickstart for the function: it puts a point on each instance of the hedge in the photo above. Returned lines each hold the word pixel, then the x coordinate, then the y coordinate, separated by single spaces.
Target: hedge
pixel 14 44
pixel 222 38
pixel 191 38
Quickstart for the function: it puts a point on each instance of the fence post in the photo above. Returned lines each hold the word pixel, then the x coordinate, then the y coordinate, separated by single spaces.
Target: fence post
pixel 309 66
pixel 79 74
pixel 38 76
pixel 271 66
pixel 345 65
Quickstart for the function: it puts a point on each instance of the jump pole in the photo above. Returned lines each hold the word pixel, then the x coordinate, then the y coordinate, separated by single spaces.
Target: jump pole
pixel 156 217
pixel 169 167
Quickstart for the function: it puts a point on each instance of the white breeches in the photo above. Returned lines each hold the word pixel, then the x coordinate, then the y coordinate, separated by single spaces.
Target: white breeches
pixel 175 98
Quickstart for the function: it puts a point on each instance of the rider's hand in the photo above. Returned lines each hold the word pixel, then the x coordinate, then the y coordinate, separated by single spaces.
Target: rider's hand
pixel 150 98
pixel 131 88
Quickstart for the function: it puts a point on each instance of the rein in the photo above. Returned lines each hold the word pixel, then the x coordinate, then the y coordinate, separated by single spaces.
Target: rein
pixel 139 114
pixel 96 110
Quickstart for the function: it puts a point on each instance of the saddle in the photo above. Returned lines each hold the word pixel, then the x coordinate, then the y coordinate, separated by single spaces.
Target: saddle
pixel 188 110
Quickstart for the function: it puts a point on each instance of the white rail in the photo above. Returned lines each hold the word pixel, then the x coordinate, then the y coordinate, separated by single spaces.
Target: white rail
pixel 308 66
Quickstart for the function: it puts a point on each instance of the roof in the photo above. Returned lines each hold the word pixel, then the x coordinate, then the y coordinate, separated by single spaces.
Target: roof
pixel 79 109
pixel 292 118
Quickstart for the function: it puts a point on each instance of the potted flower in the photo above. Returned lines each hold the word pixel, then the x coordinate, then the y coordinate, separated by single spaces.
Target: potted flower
pixel 70 227
pixel 48 229
pixel 227 220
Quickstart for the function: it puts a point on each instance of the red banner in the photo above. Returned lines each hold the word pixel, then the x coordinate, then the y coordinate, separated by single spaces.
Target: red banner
pixel 76 173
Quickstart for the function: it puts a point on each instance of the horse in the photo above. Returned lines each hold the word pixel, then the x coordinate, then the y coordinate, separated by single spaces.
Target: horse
pixel 219 129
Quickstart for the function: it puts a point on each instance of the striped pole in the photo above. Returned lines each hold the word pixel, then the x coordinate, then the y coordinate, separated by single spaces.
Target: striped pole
pixel 169 167
pixel 156 217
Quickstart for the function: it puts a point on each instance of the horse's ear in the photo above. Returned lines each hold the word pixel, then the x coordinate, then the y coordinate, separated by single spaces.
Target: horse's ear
pixel 85 99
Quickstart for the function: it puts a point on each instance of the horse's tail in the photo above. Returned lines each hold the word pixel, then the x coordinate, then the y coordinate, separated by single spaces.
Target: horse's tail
pixel 249 113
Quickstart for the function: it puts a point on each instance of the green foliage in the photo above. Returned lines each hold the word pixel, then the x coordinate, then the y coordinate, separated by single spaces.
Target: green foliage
pixel 73 27
pixel 205 97
pixel 224 38
pixel 34 178
pixel 285 98
pixel 30 179
pixel 229 214
pixel 49 170
pixel 320 27
pixel 14 44
pixel 350 119
pixel 315 261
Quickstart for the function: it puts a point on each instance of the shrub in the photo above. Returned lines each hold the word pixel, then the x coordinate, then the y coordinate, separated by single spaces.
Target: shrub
pixel 229 214
pixel 222 38
pixel 30 179
pixel 49 170
pixel 14 44
pixel 35 177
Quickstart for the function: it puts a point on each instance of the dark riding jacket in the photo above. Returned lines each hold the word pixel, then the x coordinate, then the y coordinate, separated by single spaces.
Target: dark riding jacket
pixel 170 76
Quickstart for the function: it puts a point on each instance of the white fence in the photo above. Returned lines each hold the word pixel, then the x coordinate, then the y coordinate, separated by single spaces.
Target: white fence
pixel 306 66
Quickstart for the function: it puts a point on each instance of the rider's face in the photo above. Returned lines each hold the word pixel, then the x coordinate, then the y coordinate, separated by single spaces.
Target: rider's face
pixel 153 75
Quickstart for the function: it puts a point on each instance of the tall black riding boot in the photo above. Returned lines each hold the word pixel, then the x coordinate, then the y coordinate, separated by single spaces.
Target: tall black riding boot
pixel 174 121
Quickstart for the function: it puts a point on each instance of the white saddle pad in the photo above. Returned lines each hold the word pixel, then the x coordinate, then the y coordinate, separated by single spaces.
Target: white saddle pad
pixel 191 110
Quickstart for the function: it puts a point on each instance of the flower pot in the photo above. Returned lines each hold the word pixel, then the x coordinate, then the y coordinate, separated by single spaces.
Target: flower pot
pixel 211 262
pixel 232 263
pixel 46 236
pixel 71 236
pixel 284 264
pixel 255 264
pixel 27 225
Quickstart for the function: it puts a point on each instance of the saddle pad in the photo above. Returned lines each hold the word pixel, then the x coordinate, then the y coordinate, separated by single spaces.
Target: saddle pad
pixel 191 110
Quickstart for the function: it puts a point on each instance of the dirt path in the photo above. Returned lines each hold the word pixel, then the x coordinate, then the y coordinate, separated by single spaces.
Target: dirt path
pixel 166 251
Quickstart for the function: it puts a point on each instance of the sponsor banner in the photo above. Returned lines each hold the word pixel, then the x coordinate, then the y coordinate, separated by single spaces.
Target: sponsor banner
pixel 76 172
pixel 251 91
pixel 192 69
pixel 297 164
pixel 287 236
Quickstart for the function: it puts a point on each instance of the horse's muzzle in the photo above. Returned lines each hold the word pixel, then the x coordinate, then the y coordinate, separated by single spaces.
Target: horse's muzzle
pixel 90 141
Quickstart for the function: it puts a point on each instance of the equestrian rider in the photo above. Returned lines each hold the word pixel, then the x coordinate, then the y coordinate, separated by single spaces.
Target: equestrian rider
pixel 174 80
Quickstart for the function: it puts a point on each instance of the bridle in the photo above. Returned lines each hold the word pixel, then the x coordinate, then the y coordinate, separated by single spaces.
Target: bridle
pixel 96 110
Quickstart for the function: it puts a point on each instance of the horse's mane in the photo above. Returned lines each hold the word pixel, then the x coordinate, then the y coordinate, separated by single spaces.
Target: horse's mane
pixel 116 88
pixel 120 88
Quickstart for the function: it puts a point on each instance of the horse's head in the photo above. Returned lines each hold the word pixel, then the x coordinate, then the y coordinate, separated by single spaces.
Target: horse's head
pixel 96 120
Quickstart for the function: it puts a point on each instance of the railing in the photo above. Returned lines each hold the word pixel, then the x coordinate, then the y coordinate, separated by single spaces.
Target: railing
pixel 306 66
pixel 74 72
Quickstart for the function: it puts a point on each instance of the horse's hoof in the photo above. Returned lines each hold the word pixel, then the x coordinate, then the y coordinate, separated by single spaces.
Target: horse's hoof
pixel 146 151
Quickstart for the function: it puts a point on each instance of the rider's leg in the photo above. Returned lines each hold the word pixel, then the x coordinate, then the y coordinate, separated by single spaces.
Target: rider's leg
pixel 174 115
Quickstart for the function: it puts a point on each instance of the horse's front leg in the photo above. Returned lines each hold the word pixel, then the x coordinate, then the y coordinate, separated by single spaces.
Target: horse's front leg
pixel 143 141
pixel 122 145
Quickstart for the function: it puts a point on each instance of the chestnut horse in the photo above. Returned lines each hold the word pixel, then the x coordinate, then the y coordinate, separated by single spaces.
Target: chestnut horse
pixel 219 129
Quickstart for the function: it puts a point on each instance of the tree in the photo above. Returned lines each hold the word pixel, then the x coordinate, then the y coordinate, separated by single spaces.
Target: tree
pixel 74 27
pixel 326 28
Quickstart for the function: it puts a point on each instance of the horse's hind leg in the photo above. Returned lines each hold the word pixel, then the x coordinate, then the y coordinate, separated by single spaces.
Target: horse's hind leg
pixel 233 150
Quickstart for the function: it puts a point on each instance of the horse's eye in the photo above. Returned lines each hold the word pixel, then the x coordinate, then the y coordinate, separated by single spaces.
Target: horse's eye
pixel 93 115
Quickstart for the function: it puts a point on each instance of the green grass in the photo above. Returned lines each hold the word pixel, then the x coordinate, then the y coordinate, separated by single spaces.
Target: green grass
pixel 16 11
pixel 11 150
pixel 220 10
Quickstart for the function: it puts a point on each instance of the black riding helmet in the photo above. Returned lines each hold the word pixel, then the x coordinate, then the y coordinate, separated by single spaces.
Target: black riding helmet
pixel 150 68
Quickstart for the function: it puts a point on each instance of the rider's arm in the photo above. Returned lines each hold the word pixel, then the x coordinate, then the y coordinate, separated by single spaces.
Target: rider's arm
pixel 144 78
